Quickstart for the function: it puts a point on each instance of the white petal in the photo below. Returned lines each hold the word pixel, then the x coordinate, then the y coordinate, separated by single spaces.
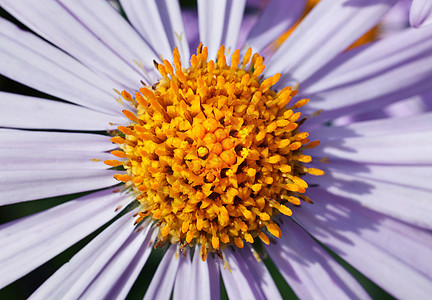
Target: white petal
pixel 55 140
pixel 392 69
pixel 163 280
pixel 33 62
pixel 75 276
pixel 326 31
pixel 394 255
pixel 247 278
pixel 309 270
pixel 420 13
pixel 103 41
pixel 161 24
pixel 31 241
pixel 19 186
pixel 276 18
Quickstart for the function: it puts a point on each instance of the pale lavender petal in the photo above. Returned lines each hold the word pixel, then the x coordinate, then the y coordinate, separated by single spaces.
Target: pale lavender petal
pixel 31 241
pixel 246 277
pixel 102 41
pixel 163 280
pixel 276 17
pixel 402 149
pixel 161 24
pixel 75 276
pixel 205 276
pixel 392 254
pixel 211 19
pixel 309 270
pixel 37 113
pixel 234 16
pixel 119 274
pixel 55 140
pixel 190 19
pixel 395 20
pixel 413 106
pixel 197 279
pixel 410 176
pixel 326 31
pixel 401 201
pixel 33 62
pixel 219 23
pixel 392 69
pixel 122 286
pixel 420 13
pixel 420 123
pixel 19 186
pixel 214 272
pixel 183 282
pixel 13 158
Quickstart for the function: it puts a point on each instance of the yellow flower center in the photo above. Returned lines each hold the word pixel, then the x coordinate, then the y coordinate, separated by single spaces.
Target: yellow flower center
pixel 213 153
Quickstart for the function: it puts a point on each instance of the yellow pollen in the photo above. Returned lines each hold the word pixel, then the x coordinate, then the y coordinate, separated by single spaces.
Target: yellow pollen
pixel 212 152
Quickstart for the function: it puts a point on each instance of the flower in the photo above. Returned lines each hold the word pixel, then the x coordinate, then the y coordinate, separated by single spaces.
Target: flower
pixel 371 208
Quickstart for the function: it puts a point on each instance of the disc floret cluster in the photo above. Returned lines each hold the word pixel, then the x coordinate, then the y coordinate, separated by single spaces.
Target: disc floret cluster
pixel 213 153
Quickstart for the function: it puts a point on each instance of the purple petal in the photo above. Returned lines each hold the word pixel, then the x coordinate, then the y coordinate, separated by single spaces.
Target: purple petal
pixel 247 278
pixel 163 280
pixel 420 13
pixel 325 32
pixel 309 270
pixel 394 255
pixel 20 186
pixel 31 241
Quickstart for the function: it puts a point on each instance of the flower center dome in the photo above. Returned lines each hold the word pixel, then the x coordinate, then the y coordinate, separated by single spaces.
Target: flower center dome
pixel 213 153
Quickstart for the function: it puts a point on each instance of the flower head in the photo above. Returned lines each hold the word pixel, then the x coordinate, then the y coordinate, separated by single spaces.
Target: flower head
pixel 210 156
pixel 213 152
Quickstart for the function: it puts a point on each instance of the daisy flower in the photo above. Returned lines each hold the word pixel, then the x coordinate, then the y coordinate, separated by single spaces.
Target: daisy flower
pixel 214 154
